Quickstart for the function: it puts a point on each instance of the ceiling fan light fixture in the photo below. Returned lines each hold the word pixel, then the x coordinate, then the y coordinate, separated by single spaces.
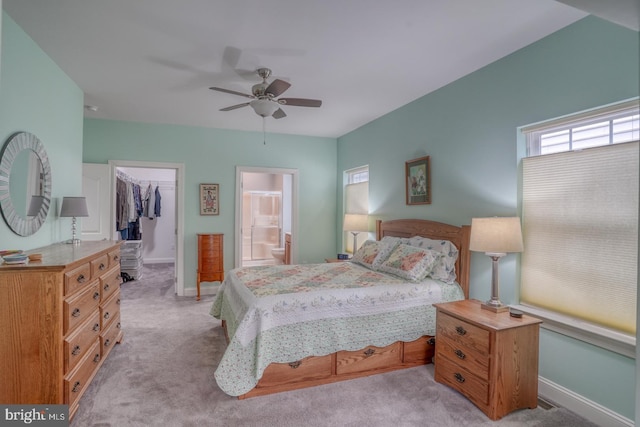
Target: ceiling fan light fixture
pixel 264 107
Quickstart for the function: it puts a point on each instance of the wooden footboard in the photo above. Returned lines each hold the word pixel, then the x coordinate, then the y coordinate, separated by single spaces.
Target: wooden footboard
pixel 342 365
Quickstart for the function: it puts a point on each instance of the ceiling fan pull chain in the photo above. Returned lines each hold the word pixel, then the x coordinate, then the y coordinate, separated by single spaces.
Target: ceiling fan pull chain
pixel 264 130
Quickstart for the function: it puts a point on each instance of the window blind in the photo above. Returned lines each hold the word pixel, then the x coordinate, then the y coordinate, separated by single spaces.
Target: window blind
pixel 356 201
pixel 580 231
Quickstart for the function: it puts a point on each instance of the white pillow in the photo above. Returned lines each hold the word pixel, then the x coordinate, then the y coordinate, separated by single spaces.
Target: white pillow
pixel 445 269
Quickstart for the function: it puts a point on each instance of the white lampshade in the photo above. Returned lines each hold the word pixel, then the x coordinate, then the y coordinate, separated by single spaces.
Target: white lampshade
pixel 264 107
pixel 74 207
pixel 356 222
pixel 496 235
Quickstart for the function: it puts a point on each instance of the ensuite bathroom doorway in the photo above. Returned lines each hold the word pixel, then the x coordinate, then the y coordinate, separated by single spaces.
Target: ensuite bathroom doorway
pixel 265 213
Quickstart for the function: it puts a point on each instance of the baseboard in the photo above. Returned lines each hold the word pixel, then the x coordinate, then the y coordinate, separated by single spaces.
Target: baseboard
pixel 159 260
pixel 209 289
pixel 586 408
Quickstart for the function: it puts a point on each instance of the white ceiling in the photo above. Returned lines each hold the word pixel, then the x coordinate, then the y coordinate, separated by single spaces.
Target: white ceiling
pixel 154 60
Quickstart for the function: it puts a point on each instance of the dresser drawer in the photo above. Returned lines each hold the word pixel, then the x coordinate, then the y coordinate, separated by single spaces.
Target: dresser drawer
pixel 464 334
pixel 114 257
pixel 310 368
pixel 368 359
pixel 80 305
pixel 99 265
pixel 472 361
pixel 76 279
pixel 109 336
pixel 109 309
pixel 475 388
pixel 109 282
pixel 79 341
pixel 78 379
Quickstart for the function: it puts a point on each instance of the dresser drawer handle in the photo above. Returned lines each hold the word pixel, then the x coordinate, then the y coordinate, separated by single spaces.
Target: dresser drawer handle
pixel 96 327
pixel 75 312
pixel 76 350
pixel 106 315
pixel 118 301
pixel 458 376
pixel 460 354
pixel 116 258
pixel 295 364
pixel 107 342
pixel 119 326
pixel 369 352
pixel 102 266
pixel 106 287
pixel 96 296
pixel 81 278
pixel 96 358
pixel 76 387
pixel 431 341
pixel 460 330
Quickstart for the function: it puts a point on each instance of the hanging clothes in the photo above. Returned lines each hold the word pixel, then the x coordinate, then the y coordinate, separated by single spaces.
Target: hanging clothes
pixel 128 208
pixel 152 202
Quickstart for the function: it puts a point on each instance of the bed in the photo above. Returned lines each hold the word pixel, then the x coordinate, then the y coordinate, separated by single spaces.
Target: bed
pixel 294 326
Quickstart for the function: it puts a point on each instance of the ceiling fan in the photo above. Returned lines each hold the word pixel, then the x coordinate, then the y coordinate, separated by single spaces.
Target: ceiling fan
pixel 265 97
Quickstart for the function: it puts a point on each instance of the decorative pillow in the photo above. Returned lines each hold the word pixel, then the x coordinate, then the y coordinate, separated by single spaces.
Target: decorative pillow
pixel 445 269
pixel 410 262
pixel 372 253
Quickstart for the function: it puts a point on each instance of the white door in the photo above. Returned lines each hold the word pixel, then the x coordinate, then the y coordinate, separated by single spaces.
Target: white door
pixel 96 188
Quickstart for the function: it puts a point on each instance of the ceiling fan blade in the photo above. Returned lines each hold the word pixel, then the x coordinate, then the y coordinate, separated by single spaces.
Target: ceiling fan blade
pixel 277 87
pixel 233 92
pixel 278 114
pixel 300 102
pixel 233 107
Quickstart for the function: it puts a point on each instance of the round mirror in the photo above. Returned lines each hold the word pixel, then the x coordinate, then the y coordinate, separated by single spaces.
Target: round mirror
pixel 25 183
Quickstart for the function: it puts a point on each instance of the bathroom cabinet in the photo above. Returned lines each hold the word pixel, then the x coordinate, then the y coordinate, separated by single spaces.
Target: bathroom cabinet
pixel 210 259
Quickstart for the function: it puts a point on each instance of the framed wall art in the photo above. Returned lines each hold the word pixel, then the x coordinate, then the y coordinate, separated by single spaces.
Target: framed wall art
pixel 209 199
pixel 418 181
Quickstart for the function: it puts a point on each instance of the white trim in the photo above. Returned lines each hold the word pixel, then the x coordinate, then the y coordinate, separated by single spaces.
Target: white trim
pixel 584 331
pixel 579 404
pixel 179 185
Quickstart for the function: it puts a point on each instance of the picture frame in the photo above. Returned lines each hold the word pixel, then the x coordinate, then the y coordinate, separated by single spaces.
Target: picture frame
pixel 418 181
pixel 209 199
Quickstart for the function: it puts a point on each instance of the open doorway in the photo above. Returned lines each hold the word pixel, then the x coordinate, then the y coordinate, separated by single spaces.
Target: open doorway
pixel 266 215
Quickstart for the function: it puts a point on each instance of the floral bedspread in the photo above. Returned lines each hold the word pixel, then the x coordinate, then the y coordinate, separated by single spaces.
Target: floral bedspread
pixel 287 312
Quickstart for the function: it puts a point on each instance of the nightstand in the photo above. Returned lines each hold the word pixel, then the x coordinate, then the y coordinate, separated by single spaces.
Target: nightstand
pixel 491 358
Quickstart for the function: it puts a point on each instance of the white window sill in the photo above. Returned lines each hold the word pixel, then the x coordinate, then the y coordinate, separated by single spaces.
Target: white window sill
pixel 609 339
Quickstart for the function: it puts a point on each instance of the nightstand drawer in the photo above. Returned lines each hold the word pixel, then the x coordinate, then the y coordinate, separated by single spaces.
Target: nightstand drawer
pixel 476 389
pixel 473 338
pixel 473 361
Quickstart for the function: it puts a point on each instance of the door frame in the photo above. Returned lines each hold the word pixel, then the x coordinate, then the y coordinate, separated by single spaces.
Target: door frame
pixel 179 230
pixel 294 208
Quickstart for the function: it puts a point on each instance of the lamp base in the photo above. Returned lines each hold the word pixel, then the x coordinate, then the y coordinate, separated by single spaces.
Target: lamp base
pixel 73 241
pixel 495 308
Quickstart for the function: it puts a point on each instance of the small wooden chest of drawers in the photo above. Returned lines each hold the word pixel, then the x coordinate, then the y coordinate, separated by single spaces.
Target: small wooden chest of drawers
pixel 210 259
pixel 53 322
pixel 491 358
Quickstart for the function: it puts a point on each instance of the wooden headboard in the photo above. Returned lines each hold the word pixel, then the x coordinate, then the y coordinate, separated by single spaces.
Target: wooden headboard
pixel 459 236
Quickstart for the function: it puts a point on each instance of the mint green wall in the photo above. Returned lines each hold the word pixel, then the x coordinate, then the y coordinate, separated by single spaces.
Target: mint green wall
pixel 469 130
pixel 211 155
pixel 37 97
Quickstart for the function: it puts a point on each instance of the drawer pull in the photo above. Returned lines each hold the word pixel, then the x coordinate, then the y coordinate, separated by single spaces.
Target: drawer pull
pixel 118 302
pixel 369 352
pixel 102 266
pixel 75 312
pixel 460 330
pixel 116 258
pixel 118 326
pixel 76 387
pixel 96 296
pixel 460 354
pixel 458 376
pixel 431 341
pixel 76 350
pixel 295 364
pixel 96 358
pixel 96 327
pixel 106 316
pixel 81 278
pixel 107 342
pixel 106 287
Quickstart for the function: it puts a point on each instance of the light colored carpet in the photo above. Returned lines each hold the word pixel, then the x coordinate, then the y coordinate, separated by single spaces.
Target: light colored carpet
pixel 162 375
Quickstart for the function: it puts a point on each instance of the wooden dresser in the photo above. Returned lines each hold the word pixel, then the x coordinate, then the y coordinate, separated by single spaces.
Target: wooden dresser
pixel 59 319
pixel 491 358
pixel 210 260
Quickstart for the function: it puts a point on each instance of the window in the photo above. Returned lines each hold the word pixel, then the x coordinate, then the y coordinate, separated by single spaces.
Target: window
pixel 356 200
pixel 580 220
